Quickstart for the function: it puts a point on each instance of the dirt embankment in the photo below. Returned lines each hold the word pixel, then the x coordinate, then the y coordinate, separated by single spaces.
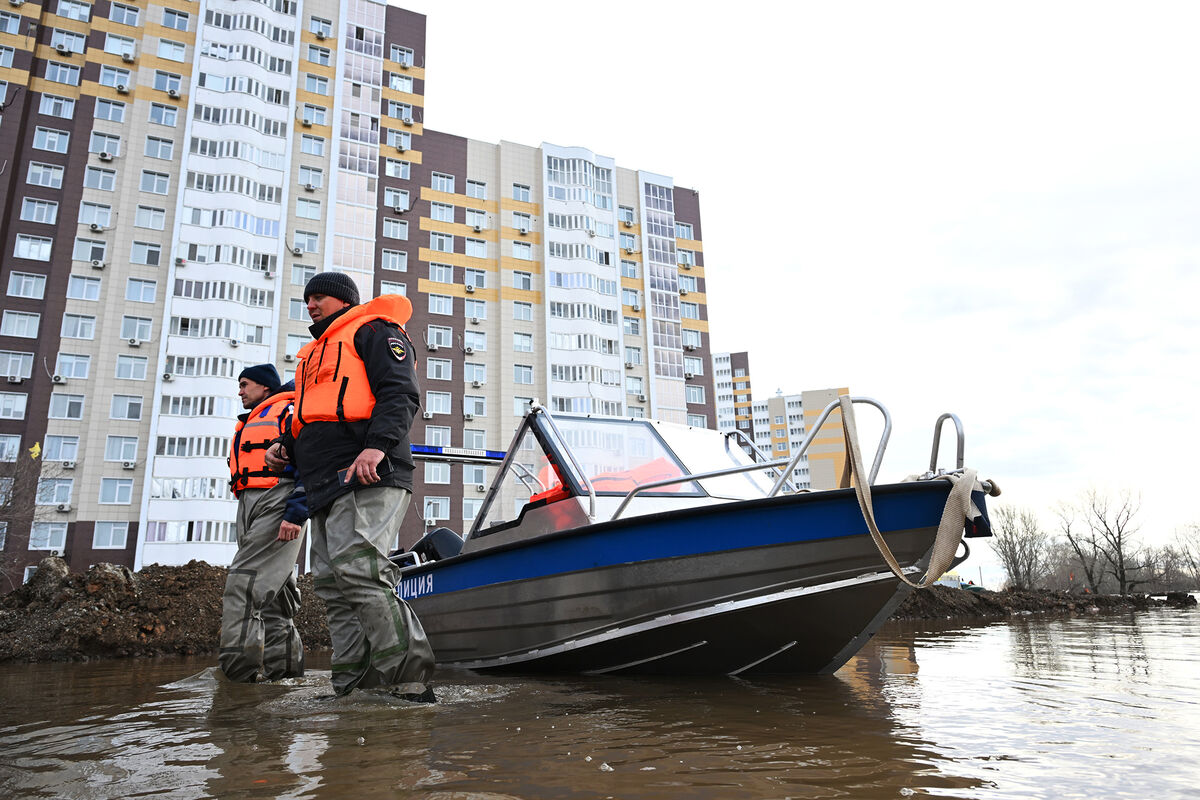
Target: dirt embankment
pixel 110 612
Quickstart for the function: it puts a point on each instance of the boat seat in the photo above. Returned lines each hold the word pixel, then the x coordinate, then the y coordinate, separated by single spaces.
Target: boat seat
pixel 439 543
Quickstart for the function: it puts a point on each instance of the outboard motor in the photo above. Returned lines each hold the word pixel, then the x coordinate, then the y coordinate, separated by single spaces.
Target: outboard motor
pixel 439 543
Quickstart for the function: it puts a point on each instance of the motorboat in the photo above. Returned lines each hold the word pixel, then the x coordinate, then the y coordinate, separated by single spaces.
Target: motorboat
pixel 627 545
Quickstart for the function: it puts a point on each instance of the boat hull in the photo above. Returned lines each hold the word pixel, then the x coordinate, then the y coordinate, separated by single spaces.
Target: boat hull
pixel 786 585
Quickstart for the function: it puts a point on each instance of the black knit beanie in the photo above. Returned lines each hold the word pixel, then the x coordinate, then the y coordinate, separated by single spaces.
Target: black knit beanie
pixel 263 374
pixel 333 284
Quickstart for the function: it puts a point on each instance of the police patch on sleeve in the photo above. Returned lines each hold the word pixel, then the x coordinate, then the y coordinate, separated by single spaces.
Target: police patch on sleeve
pixel 397 348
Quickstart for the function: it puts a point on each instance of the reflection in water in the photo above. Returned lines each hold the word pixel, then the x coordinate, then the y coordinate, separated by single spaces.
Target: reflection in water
pixel 1029 708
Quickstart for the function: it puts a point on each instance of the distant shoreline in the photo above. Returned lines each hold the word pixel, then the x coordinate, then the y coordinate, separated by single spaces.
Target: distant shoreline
pixel 111 612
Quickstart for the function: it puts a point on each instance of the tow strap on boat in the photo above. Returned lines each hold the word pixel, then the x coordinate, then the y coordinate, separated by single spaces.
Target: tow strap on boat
pixel 959 507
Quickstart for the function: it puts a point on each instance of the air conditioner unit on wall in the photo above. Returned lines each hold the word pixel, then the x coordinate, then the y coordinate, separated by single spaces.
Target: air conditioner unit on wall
pixel 426 415
pixel 97 264
pixel 168 377
pixel 135 342
pixel 481 487
pixel 121 88
pixel 128 465
pixel 476 384
pixel 469 350
pixel 173 94
pixel 64 507
pixel 58 379
pixel 468 416
pixel 288 357
pixel 127 58
pixel 470 287
pixel 15 379
pixel 95 227
pixel 68 465
pixel 296 251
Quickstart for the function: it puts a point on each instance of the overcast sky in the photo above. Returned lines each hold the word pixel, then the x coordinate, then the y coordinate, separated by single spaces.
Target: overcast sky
pixel 989 209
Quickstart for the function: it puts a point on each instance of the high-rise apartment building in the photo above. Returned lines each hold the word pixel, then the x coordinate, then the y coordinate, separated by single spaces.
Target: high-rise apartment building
pixel 175 173
pixel 778 425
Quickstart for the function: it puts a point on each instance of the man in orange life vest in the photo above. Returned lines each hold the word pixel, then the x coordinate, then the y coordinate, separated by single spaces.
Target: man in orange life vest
pixel 356 398
pixel 258 638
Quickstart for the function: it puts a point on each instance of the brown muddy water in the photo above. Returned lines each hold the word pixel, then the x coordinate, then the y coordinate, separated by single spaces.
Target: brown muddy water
pixel 1092 707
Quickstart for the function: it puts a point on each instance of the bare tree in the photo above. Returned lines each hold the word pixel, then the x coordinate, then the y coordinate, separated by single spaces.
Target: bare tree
pixel 1187 545
pixel 1113 528
pixel 1022 547
pixel 1083 544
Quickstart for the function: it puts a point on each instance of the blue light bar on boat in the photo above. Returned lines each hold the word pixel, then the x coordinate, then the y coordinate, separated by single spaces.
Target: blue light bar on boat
pixel 429 452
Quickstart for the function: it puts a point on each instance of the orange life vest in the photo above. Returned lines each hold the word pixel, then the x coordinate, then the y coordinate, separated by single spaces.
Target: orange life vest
pixel 247 456
pixel 331 379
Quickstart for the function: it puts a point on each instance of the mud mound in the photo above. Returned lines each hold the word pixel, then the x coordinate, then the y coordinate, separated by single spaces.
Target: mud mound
pixel 939 602
pixel 112 612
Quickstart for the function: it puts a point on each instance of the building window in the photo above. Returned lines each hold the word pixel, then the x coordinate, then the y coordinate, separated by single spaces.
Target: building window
pixel 46 175
pixel 395 228
pixel 157 147
pixel 401 55
pixel 156 182
pixel 172 51
pixel 62 73
pixel 132 368
pixel 436 508
pixel 150 217
pixel 320 27
pixel 474 404
pixel 475 340
pixel 53 491
pixel 10 446
pixel 136 328
pixel 110 110
pixel 116 491
pixel 163 115
pixel 437 402
pixel 439 369
pixel 522 251
pixel 395 260
pixel 78 326
pixel 16 364
pixel 81 288
pixel 22 324
pixel 473 371
pixel 312 145
pixel 395 168
pixel 46 536
pixel 66 406
pixel 521 406
pixel 631 326
pixel 110 535
pixel 34 248
pixel 89 250
pixel 437 435
pixel 437 472
pixel 73 365
pixel 439 336
pixel 55 141
pixel 523 342
pixel 12 405
pixel 476 248
pixel 522 373
pixel 475 309
pixel 697 420
pixel 126 406
pixel 689 310
pixel 441 242
pixel 27 284
pixel 523 311
pixel 53 106
pixel 318 55
pixel 520 192
pixel 125 15
pixel 522 280
pixel 308 209
pixel 313 114
pixel 442 212
pixel 441 304
pixel 441 182
pixel 148 253
pixel 694 394
pixel 167 81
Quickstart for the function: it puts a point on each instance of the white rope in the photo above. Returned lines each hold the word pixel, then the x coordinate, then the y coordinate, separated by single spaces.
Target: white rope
pixel 950 530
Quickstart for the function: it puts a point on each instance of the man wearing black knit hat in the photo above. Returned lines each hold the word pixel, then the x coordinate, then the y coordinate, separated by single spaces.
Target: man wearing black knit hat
pixel 258 638
pixel 356 398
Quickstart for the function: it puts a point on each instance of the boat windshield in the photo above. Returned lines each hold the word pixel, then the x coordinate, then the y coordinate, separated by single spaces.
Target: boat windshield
pixel 617 455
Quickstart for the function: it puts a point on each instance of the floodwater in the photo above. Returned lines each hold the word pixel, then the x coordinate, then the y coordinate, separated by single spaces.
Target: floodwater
pixel 1091 707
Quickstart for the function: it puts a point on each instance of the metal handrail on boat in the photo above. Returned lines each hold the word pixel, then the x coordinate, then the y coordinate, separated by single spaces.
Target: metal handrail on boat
pixel 816 427
pixel 791 463
pixel 937 438
pixel 758 453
